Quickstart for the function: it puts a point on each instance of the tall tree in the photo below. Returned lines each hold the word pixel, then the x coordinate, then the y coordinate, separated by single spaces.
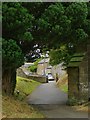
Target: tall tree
pixel 15 23
pixel 66 24
pixel 12 59
pixel 50 25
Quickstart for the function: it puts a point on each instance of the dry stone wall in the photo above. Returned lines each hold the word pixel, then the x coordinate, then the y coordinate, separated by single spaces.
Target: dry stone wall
pixel 38 78
pixel 58 69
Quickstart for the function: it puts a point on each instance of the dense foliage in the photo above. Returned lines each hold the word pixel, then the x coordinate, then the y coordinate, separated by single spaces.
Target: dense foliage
pixel 50 25
pixel 11 54
pixel 16 21
pixel 64 24
pixel 60 55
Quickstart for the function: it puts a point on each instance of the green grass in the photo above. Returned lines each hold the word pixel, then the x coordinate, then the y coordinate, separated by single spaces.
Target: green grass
pixel 64 88
pixel 62 83
pixel 25 86
pixel 16 106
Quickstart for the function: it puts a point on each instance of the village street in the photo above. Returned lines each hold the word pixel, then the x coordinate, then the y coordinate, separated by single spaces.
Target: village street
pixel 51 101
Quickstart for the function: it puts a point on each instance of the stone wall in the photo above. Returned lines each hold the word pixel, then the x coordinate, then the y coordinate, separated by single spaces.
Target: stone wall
pixel 41 69
pixel 21 73
pixel 38 78
pixel 78 78
pixel 58 69
pixel 83 79
pixel 73 79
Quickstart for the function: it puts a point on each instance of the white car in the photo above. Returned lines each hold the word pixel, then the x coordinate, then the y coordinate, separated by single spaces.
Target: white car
pixel 50 77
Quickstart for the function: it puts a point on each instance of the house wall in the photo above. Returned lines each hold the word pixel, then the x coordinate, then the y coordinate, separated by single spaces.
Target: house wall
pixel 41 69
pixel 58 69
pixel 48 70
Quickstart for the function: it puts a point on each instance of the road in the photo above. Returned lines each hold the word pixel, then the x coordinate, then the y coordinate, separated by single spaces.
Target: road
pixel 47 93
pixel 51 101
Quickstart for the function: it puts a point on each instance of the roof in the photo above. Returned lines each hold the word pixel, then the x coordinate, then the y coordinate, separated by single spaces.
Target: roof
pixel 28 64
pixel 44 61
pixel 79 54
pixel 49 67
pixel 76 60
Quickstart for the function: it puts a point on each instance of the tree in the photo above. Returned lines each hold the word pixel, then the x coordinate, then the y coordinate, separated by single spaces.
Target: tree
pixel 37 9
pixel 16 21
pixel 66 24
pixel 78 13
pixel 60 24
pixel 50 25
pixel 60 55
pixel 12 59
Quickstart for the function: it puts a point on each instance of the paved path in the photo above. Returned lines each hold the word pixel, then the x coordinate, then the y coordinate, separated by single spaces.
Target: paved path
pixel 60 111
pixel 47 93
pixel 52 102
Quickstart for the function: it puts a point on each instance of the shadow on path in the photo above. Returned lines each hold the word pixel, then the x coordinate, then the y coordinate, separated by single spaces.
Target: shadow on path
pixel 60 111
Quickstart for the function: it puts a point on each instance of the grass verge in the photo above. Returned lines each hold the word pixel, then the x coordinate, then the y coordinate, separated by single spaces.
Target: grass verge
pixel 16 106
pixel 64 88
pixel 25 87
pixel 84 107
pixel 63 83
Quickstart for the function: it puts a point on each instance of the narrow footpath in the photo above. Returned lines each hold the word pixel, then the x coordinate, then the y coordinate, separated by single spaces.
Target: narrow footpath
pixel 47 93
pixel 51 101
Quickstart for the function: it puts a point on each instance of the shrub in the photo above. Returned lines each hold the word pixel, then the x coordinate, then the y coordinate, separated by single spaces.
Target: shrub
pixel 33 68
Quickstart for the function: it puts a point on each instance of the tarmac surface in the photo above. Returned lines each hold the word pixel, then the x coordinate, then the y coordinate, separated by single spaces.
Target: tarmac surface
pixel 48 93
pixel 51 102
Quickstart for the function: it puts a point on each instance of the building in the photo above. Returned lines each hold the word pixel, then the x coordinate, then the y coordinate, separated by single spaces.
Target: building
pixel 44 67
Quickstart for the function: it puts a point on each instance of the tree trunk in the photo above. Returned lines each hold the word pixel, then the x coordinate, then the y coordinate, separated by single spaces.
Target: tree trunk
pixel 13 82
pixel 8 81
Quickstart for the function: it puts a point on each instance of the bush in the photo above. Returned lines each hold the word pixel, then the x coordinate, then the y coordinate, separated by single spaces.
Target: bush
pixel 33 68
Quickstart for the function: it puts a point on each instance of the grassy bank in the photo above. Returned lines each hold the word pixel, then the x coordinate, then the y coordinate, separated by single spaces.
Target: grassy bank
pixel 63 83
pixel 16 106
pixel 84 107
pixel 25 87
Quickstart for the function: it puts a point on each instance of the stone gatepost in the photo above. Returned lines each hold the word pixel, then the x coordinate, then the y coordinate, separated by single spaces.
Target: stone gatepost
pixel 78 78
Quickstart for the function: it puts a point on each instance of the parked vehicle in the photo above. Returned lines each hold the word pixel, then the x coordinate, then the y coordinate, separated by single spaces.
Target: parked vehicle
pixel 49 77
